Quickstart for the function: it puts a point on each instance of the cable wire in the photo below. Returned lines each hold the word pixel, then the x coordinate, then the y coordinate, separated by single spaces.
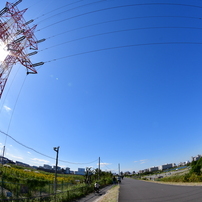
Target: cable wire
pixel 1 108
pixel 57 9
pixel 125 46
pixel 118 31
pixel 117 20
pixel 105 165
pixel 14 106
pixel 71 10
pixel 6 134
pixel 117 7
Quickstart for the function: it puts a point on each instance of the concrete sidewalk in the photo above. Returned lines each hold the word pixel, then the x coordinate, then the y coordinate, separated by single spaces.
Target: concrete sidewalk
pixel 93 197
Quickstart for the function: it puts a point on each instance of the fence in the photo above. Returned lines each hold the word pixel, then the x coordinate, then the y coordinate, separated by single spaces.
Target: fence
pixel 65 192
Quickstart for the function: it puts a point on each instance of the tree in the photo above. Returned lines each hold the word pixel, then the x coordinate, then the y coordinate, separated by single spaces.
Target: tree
pixel 196 167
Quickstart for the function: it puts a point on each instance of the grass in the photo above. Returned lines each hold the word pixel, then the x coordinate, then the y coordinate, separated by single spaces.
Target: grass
pixel 111 195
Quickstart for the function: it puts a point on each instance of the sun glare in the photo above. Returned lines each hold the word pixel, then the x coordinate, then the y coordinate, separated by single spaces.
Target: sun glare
pixel 3 52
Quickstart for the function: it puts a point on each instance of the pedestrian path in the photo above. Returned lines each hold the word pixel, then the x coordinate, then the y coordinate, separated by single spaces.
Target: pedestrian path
pixel 93 197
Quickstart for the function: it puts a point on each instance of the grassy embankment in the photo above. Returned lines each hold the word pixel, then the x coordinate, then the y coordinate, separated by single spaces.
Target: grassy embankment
pixel 193 176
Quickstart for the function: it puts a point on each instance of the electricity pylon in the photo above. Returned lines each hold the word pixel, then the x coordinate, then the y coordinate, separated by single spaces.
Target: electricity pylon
pixel 17 38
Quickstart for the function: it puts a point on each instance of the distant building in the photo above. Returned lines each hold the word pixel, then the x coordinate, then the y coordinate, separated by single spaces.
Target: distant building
pixel 67 170
pixel 141 171
pixel 183 163
pixel 196 158
pixel 127 173
pixel 166 166
pixel 58 168
pixel 3 160
pixel 81 171
pixel 48 167
pixel 152 169
pixel 18 163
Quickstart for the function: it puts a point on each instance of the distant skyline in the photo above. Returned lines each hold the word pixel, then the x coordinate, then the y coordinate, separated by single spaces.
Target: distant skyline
pixel 121 80
pixel 101 164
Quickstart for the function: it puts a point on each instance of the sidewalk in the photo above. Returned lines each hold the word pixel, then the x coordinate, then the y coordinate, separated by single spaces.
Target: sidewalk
pixel 93 197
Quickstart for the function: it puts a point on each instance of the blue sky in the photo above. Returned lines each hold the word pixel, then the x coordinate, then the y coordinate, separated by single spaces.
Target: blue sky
pixel 121 81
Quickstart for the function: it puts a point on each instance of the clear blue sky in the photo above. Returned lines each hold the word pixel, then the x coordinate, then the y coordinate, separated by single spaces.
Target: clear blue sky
pixel 128 88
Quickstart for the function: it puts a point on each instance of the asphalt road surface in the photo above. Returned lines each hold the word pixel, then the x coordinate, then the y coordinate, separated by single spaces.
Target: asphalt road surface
pixel 134 191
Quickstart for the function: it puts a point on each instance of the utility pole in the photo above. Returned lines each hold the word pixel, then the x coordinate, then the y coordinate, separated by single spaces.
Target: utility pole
pixel 119 168
pixel 2 158
pixel 56 166
pixel 99 169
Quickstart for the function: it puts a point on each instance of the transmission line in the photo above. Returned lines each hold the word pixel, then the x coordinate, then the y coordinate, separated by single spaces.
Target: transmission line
pixel 57 9
pixel 118 31
pixel 105 165
pixel 11 118
pixel 71 10
pixel 40 152
pixel 117 7
pixel 125 46
pixel 122 19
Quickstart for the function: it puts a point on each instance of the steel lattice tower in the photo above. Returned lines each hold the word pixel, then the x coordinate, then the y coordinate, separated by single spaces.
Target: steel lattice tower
pixel 17 38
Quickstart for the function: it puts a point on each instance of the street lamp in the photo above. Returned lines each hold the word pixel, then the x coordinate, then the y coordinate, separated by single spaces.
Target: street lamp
pixel 56 166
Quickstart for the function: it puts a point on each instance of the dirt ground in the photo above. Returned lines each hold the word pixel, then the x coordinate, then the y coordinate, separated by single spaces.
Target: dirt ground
pixel 110 196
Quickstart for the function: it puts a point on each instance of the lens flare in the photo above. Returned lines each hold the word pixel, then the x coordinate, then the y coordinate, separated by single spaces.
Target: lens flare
pixel 3 52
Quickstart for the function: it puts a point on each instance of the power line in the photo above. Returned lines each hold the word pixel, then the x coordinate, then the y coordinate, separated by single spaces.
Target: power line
pixel 117 7
pixel 122 19
pixel 40 152
pixel 118 31
pixel 8 90
pixel 14 108
pixel 25 145
pixel 69 10
pixel 57 9
pixel 126 46
pixel 105 165
pixel 78 163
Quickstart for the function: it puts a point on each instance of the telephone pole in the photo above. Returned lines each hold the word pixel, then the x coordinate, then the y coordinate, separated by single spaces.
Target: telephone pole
pixel 56 166
pixel 99 168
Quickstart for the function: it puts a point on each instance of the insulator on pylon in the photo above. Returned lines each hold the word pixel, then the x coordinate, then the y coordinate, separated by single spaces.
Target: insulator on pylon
pixel 20 31
pixel 38 64
pixel 29 22
pixel 4 10
pixel 10 49
pixel 32 53
pixel 42 40
pixel 31 73
pixel 16 3
pixel 19 39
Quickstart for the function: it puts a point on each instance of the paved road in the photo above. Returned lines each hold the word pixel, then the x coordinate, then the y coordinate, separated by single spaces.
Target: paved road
pixel 134 191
